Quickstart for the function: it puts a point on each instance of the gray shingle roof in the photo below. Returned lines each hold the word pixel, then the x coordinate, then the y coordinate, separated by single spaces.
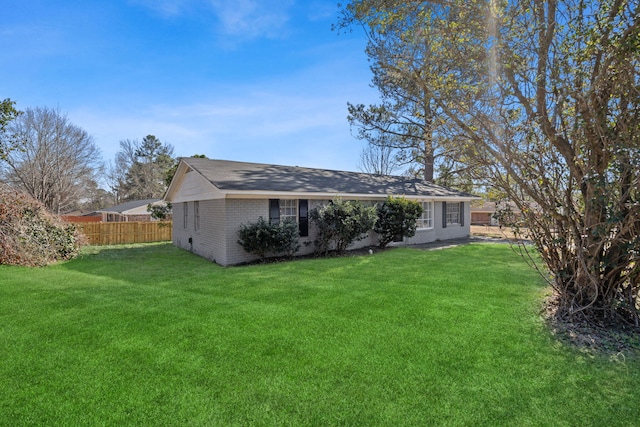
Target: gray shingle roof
pixel 241 176
pixel 129 205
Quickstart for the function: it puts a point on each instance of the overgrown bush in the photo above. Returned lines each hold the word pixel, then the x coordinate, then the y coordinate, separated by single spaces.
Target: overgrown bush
pixel 340 223
pixel 397 218
pixel 30 235
pixel 264 239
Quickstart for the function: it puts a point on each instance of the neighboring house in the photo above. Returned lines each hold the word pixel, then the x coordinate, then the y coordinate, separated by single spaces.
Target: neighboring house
pixel 212 198
pixel 81 217
pixel 129 211
pixel 485 213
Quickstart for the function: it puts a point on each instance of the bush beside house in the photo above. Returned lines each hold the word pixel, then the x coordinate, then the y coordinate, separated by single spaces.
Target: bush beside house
pixel 397 218
pixel 340 223
pixel 263 239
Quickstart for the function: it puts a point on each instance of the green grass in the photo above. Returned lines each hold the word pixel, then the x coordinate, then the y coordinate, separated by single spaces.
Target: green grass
pixel 152 335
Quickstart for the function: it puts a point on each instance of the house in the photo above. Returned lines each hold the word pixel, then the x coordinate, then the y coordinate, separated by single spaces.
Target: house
pixel 211 199
pixel 483 214
pixel 486 213
pixel 128 212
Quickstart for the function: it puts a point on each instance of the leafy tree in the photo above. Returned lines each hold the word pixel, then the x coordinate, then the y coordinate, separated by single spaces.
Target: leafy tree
pixel 140 169
pixel 550 98
pixel 340 223
pixel 397 218
pixel 264 239
pixel 57 160
pixel 7 114
pixel 411 70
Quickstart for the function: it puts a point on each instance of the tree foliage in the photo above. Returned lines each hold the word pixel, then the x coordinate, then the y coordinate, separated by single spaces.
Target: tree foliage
pixel 140 169
pixel 7 113
pixel 160 212
pixel 30 235
pixel 264 239
pixel 340 223
pixel 549 98
pixel 397 218
pixel 408 50
pixel 56 161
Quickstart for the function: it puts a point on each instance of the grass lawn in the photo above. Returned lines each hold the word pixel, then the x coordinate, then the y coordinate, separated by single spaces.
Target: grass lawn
pixel 152 335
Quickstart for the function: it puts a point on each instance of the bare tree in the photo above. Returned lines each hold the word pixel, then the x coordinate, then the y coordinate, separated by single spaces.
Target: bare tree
pixel 55 160
pixel 378 159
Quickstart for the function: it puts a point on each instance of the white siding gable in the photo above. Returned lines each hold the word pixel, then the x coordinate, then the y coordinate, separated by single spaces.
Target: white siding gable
pixel 193 186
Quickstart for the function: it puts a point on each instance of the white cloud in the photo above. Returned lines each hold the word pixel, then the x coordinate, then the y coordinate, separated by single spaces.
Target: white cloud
pixel 282 124
pixel 248 19
pixel 298 118
pixel 235 20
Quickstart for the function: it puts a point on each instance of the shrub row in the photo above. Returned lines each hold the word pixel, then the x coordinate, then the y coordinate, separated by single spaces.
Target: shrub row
pixel 339 224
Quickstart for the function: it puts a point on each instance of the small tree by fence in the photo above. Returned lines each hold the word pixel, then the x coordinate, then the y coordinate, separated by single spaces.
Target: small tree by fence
pixel 115 233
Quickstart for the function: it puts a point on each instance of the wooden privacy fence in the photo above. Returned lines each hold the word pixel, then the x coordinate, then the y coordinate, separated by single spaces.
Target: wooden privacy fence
pixel 115 233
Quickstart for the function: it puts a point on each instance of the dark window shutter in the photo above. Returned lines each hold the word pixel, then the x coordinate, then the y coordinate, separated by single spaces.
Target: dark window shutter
pixel 303 217
pixel 444 214
pixel 462 213
pixel 274 211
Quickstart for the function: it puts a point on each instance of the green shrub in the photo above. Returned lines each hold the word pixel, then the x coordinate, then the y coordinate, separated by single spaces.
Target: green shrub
pixel 340 223
pixel 161 212
pixel 397 218
pixel 30 235
pixel 264 239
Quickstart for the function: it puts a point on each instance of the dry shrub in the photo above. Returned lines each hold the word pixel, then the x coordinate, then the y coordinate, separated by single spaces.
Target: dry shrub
pixel 30 235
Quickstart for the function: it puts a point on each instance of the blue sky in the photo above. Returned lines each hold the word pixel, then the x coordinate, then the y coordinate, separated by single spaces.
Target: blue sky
pixel 250 80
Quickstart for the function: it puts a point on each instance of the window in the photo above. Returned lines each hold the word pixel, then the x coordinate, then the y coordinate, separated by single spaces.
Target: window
pixel 453 213
pixel 426 219
pixel 290 210
pixel 185 215
pixel 196 215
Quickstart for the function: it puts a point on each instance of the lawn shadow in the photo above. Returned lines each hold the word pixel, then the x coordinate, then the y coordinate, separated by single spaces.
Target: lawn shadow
pixel 130 262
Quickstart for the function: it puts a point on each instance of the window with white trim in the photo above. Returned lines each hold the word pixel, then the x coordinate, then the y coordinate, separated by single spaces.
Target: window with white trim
pixel 288 210
pixel 453 213
pixel 426 218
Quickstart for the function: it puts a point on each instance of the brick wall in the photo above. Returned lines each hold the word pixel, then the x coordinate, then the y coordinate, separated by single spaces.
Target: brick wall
pixel 220 220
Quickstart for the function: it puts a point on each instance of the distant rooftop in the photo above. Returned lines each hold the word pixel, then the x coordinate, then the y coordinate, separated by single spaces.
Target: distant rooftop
pixel 128 205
